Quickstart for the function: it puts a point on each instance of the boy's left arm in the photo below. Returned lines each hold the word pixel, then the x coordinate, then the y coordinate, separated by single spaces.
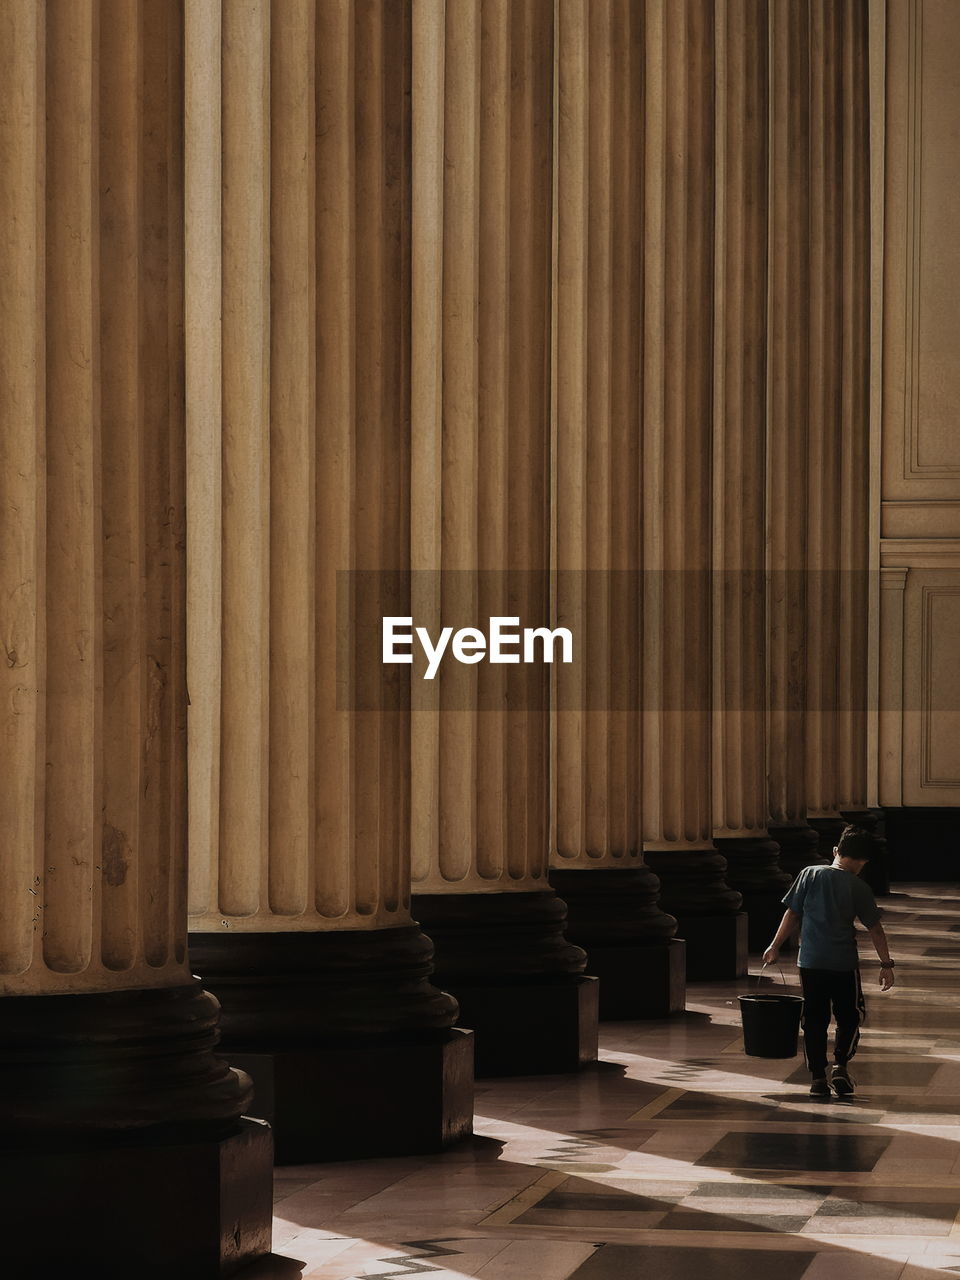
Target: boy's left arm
pixel 879 940
pixel 869 915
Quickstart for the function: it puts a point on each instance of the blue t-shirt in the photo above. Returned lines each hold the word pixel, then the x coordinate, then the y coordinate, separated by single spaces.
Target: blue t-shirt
pixel 828 900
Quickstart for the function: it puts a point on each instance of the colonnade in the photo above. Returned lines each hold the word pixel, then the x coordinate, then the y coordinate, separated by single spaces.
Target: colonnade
pixel 325 310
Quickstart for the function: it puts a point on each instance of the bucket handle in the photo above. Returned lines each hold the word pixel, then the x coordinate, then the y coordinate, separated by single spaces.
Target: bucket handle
pixel 760 975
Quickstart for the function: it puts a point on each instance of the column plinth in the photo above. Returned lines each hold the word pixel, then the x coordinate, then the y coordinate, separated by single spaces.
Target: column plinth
pixel 519 982
pixel 117 1097
pixel 208 1215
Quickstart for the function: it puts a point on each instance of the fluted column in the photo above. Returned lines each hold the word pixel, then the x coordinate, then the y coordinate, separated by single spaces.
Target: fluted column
pixel 739 461
pixel 677 415
pixel 483 146
pixel 820 549
pixel 839 380
pixel 855 594
pixel 106 1052
pixel 597 855
pixel 823 444
pixel 790 410
pixel 299 428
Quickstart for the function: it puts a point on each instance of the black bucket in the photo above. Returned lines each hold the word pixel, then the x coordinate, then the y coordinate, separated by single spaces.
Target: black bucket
pixel 771 1024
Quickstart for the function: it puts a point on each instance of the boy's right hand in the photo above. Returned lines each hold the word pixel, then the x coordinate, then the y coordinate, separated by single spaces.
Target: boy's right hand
pixel 771 955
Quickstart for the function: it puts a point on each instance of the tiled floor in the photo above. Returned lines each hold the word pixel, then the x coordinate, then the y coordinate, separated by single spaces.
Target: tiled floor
pixel 678 1158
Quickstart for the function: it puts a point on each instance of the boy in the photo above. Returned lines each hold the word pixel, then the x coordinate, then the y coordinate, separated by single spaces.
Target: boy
pixel 825 901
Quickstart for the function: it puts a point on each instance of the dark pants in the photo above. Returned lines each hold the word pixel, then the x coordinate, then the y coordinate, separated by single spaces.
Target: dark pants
pixel 825 990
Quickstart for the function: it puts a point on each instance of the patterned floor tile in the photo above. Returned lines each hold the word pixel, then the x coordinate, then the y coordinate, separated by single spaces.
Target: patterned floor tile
pixel 665 1262
pixel 795 1151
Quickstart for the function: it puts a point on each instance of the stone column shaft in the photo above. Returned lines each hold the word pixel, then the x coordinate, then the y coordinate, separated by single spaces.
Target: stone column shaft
pixel 739 449
pixel 855 588
pixel 481 401
pixel 825 389
pixel 597 855
pixel 295 774
pixel 739 461
pixel 839 462
pixel 94 665
pixel 107 1045
pixel 298 419
pixel 677 414
pixel 789 414
pixel 839 435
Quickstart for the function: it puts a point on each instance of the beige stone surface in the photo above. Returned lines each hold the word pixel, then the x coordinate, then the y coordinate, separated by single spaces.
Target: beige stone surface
pixel 92 807
pixel 298 169
pixel 819 412
pixel 739 728
pixel 480 478
pixel 596 503
pixel 920 485
pixel 679 168
pixel 789 392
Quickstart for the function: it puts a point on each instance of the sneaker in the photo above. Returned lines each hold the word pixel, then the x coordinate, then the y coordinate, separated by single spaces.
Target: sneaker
pixel 843 1086
pixel 819 1088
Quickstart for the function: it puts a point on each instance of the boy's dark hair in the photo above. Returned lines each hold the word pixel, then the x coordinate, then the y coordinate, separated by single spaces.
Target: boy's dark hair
pixel 856 842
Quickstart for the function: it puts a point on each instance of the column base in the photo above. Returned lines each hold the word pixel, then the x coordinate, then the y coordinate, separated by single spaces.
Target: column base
pixel 372 1100
pixel 716 946
pixel 693 882
pixel 614 914
pixel 518 980
pixel 640 982
pixel 799 847
pixel 532 1028
pixel 753 868
pixel 76 1070
pixel 194 1210
pixel 352 1048
pixel 828 831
